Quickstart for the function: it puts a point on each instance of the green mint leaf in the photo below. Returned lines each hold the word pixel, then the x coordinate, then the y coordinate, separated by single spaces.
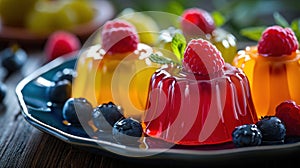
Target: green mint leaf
pixel 160 59
pixel 218 18
pixel 295 26
pixel 280 20
pixel 178 45
pixel 253 33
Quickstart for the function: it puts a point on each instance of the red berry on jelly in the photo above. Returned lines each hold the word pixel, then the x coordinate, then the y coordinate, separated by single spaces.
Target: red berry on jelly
pixel 119 37
pixel 202 57
pixel 277 41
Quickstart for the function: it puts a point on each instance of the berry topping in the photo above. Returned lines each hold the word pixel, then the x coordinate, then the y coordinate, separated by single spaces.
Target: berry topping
pixel 61 43
pixel 126 130
pixel 272 129
pixel 13 58
pixel 76 108
pixel 66 73
pixel 119 37
pixel 3 90
pixel 106 115
pixel 277 41
pixel 202 57
pixel 289 112
pixel 59 92
pixel 195 18
pixel 246 135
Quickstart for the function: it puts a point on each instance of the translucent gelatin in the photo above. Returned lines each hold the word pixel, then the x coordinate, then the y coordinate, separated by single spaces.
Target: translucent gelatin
pixel 121 78
pixel 184 108
pixel 272 79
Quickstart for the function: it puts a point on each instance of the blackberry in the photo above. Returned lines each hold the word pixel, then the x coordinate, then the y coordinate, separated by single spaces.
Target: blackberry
pixel 127 130
pixel 13 58
pixel 106 115
pixel 60 92
pixel 76 110
pixel 272 129
pixel 246 135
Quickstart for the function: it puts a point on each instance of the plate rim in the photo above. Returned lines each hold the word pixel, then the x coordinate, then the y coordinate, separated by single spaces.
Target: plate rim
pixel 176 154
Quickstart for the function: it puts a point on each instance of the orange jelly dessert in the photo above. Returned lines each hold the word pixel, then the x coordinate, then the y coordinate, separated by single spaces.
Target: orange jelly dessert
pixel 119 70
pixel 199 103
pixel 272 68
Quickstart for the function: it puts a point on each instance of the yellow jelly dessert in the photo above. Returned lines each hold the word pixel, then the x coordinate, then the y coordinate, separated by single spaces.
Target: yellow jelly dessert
pixel 272 68
pixel 118 72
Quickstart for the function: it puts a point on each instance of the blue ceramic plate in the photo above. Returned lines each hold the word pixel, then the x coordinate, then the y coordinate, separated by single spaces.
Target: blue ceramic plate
pixel 31 96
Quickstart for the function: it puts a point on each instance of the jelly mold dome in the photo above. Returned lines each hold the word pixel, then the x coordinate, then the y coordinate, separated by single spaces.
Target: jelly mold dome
pixel 121 78
pixel 272 79
pixel 185 109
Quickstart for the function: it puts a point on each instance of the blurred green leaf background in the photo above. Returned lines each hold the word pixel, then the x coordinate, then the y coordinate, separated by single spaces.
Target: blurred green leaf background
pixel 238 14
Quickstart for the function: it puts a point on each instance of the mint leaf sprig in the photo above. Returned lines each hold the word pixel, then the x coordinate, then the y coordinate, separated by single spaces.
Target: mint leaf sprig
pixel 156 58
pixel 254 33
pixel 178 45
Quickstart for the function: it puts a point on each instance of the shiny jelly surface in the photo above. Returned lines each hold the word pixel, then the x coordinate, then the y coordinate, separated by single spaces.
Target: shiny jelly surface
pixel 120 78
pixel 190 110
pixel 272 79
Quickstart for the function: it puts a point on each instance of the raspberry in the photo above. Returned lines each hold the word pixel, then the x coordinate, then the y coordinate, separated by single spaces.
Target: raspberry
pixel 119 37
pixel 197 18
pixel 289 112
pixel 202 57
pixel 61 43
pixel 277 41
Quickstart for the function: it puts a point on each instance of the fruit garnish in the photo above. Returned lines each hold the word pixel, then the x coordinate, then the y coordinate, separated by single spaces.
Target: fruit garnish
pixel 59 92
pixel 246 135
pixel 272 129
pixel 61 43
pixel 277 41
pixel 3 90
pixel 106 115
pixel 13 58
pixel 127 130
pixel 254 33
pixel 160 59
pixel 289 112
pixel 77 107
pixel 178 45
pixel 195 17
pixel 202 57
pixel 119 37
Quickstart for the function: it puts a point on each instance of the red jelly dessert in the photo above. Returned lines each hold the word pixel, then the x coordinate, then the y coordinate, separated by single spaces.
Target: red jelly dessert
pixel 200 103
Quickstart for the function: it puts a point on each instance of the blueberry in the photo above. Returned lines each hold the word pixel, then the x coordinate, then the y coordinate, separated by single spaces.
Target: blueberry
pixel 66 73
pixel 76 110
pixel 13 58
pixel 246 135
pixel 3 90
pixel 272 129
pixel 106 115
pixel 127 130
pixel 60 92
